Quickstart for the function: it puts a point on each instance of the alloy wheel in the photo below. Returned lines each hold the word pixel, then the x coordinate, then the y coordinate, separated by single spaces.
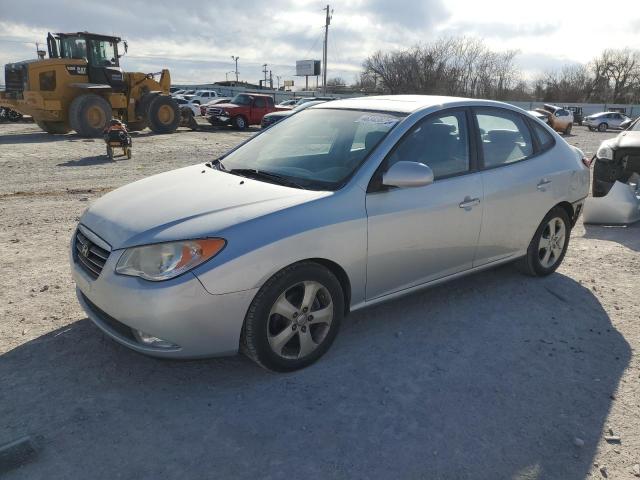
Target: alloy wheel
pixel 552 242
pixel 300 320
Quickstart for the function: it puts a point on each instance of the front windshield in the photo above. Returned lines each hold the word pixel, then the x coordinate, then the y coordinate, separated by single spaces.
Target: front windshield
pixel 241 100
pixel 103 53
pixel 317 148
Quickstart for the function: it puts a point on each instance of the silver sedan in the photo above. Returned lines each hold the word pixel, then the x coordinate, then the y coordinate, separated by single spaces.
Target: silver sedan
pixel 342 206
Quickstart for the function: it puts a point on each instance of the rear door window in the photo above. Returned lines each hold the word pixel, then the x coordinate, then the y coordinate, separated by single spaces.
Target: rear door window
pixel 505 137
pixel 545 139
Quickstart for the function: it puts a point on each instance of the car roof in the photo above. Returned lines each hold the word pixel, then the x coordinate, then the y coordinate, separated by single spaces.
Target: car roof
pixel 255 94
pixel 406 103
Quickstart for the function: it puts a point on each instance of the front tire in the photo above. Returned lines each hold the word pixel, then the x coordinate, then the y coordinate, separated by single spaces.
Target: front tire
pixel 239 123
pixel 603 127
pixel 163 115
pixel 294 318
pixel 548 245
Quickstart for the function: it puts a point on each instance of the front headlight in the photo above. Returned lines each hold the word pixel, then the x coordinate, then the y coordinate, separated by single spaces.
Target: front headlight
pixel 605 152
pixel 162 261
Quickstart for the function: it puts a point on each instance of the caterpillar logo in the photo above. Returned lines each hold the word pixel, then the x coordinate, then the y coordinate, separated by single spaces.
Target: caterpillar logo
pixel 77 69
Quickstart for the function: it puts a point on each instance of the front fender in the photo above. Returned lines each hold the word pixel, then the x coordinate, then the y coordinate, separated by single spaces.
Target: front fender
pixel 324 229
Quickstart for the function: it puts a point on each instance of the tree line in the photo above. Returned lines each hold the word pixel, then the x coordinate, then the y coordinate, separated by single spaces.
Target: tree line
pixel 467 67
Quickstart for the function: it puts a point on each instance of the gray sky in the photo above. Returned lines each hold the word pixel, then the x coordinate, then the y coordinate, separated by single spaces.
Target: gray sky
pixel 196 38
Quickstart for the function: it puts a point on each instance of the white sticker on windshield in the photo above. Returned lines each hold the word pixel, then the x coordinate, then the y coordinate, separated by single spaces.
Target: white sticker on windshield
pixel 377 119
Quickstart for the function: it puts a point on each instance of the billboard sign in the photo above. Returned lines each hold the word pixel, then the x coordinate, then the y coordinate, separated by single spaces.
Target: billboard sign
pixel 306 68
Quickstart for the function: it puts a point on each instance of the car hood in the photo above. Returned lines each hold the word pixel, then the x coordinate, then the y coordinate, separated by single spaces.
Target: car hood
pixel 626 140
pixel 227 106
pixel 191 202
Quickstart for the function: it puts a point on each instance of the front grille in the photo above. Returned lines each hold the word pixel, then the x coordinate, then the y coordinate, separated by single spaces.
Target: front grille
pixel 88 255
pixel 214 111
pixel 14 78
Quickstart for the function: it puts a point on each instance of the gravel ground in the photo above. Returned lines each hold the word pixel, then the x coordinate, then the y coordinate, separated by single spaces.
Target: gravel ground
pixel 494 376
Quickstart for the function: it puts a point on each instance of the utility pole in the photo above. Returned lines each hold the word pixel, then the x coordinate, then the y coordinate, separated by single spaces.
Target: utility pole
pixel 329 15
pixel 265 71
pixel 235 59
pixel 278 77
pixel 270 80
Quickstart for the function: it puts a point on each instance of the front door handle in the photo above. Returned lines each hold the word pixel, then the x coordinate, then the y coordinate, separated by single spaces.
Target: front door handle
pixel 469 202
pixel 542 184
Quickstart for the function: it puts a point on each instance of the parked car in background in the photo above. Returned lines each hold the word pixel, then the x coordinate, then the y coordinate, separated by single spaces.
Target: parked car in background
pixel 173 90
pixel 288 103
pixel 578 116
pixel 543 117
pixel 558 118
pixel 271 118
pixel 243 110
pixel 211 103
pixel 184 102
pixel 605 120
pixel 616 160
pixel 627 123
pixel 204 96
pixel 182 93
pixel 178 93
pixel 345 205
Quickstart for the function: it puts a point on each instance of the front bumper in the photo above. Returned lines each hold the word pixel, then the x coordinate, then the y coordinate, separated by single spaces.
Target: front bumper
pixel 180 311
pixel 219 120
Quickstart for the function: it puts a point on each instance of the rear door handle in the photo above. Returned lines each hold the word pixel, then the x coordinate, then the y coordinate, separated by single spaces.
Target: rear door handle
pixel 542 184
pixel 469 202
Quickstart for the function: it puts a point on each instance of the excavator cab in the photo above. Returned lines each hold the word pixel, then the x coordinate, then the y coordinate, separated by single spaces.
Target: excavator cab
pixel 99 51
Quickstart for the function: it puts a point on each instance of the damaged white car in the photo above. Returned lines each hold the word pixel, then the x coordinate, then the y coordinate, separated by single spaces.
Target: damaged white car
pixel 616 174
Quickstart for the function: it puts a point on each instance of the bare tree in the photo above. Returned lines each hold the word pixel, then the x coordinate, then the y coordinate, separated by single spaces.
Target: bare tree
pixel 448 66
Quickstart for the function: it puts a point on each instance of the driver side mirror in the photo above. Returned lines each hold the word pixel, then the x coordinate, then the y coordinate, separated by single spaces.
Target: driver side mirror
pixel 408 174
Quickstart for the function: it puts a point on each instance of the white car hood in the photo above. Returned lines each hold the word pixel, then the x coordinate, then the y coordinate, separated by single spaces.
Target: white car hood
pixel 191 202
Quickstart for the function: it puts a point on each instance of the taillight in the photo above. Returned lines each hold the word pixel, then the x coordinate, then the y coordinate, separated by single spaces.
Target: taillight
pixel 587 162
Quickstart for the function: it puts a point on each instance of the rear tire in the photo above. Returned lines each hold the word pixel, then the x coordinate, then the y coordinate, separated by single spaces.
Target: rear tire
pixel 548 245
pixel 54 128
pixel 89 115
pixel 163 114
pixel 280 332
pixel 603 127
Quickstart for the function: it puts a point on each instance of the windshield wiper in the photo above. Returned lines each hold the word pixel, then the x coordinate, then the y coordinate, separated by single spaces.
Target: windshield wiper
pixel 217 163
pixel 268 176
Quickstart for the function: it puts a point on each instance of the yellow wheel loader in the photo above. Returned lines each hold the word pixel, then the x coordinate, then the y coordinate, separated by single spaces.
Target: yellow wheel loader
pixel 81 87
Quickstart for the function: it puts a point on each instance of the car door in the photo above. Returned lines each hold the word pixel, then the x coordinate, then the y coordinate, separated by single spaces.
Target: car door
pixel 518 171
pixel 258 110
pixel 419 234
pixel 616 120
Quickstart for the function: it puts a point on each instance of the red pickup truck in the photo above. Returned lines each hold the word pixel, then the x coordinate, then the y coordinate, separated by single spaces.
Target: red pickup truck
pixel 242 110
